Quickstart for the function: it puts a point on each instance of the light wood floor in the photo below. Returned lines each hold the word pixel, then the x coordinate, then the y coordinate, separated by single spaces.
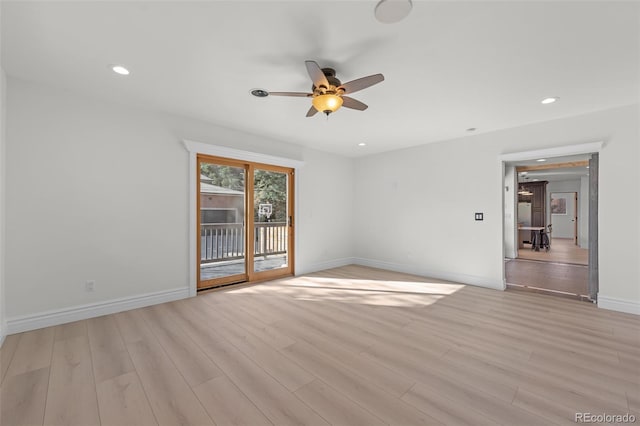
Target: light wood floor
pixel 558 277
pixel 562 250
pixel 349 346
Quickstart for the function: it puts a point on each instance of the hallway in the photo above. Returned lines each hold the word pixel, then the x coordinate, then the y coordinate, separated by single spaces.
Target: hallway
pixel 563 250
pixel 560 278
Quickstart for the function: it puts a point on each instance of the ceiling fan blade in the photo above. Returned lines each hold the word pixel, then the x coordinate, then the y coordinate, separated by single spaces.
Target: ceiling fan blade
pixel 295 94
pixel 348 102
pixel 361 83
pixel 316 74
pixel 312 111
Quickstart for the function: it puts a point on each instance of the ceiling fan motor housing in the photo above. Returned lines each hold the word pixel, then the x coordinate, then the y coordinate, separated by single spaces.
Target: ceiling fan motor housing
pixel 330 73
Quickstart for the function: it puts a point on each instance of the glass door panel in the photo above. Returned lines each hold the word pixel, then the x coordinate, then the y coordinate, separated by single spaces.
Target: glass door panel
pixel 271 220
pixel 222 201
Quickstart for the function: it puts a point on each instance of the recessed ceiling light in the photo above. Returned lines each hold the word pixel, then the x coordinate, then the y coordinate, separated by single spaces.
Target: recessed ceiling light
pixel 362 144
pixel 471 129
pixel 119 69
pixel 541 160
pixel 523 173
pixel 391 11
pixel 549 100
pixel 535 180
pixel 260 93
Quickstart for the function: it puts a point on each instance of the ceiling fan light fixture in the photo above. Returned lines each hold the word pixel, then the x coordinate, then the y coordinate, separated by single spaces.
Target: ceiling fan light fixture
pixel 327 103
pixel 524 191
pixel 327 90
pixel 392 11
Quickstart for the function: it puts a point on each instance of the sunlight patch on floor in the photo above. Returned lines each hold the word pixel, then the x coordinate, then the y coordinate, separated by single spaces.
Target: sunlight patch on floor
pixel 426 287
pixel 356 291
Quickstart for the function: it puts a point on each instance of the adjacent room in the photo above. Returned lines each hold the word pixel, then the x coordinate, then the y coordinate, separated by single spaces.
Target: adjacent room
pixel 554 198
pixel 384 212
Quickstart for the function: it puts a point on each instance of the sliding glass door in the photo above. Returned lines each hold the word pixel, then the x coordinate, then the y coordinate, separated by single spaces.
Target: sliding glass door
pixel 271 220
pixel 245 221
pixel 222 210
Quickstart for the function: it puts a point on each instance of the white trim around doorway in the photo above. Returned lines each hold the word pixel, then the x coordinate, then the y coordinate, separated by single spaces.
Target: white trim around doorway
pixel 559 151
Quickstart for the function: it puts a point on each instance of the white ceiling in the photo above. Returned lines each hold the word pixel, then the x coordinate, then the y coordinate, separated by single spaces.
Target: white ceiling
pixel 449 66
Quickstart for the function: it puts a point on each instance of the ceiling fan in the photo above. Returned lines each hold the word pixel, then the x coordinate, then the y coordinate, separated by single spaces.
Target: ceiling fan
pixel 328 93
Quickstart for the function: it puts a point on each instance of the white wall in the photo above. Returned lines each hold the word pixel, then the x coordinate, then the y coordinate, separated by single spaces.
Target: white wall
pixel 326 211
pixel 580 186
pixel 98 191
pixel 583 213
pixel 510 213
pixel 441 185
pixel 619 211
pixel 415 211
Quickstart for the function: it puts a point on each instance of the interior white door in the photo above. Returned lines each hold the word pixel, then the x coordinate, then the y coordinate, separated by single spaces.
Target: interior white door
pixel 563 214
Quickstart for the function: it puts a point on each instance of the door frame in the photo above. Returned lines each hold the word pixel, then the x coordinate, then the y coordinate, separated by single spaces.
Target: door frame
pixel 229 279
pixel 255 276
pixel 576 209
pixel 249 275
pixel 594 148
pixel 194 148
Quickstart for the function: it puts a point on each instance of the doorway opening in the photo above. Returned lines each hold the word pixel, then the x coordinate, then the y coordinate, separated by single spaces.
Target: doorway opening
pixel 550 204
pixel 244 221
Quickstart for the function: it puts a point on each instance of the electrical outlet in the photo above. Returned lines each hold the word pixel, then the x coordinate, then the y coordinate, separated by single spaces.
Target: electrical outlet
pixel 89 285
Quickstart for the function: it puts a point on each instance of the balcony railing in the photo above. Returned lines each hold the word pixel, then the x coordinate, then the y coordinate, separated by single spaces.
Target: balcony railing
pixel 225 241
